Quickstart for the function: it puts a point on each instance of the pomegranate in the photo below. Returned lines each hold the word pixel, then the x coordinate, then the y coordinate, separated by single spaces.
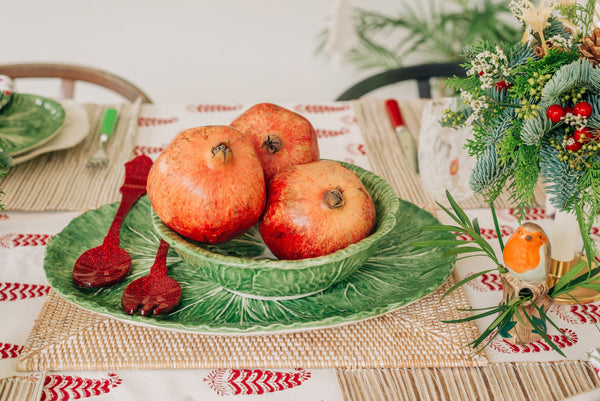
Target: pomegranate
pixel 281 137
pixel 314 209
pixel 208 184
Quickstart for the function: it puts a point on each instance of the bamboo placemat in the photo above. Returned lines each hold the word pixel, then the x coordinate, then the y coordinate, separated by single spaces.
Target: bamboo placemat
pixel 61 180
pixel 387 158
pixel 496 382
pixel 21 388
pixel 67 337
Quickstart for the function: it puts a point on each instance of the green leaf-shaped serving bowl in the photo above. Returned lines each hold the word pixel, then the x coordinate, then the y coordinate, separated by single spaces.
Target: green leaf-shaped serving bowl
pixel 264 277
pixel 29 121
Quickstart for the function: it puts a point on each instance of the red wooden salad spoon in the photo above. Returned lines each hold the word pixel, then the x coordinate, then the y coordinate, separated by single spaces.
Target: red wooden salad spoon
pixel 108 264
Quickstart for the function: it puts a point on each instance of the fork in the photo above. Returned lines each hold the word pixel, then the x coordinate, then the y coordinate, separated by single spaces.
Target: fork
pixel 155 293
pixel 107 127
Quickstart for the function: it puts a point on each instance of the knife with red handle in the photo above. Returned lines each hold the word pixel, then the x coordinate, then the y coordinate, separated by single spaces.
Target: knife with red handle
pixel 404 137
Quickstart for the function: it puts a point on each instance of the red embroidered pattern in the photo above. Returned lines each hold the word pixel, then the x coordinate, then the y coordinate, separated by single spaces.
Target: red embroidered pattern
pixel 63 388
pixel 577 314
pixel 253 381
pixel 153 122
pixel 16 291
pixel 350 120
pixel 532 214
pixel 326 133
pixel 486 282
pixel 12 240
pixel 568 339
pixel 595 232
pixel 211 108
pixel 147 150
pixel 356 149
pixel 316 108
pixel 9 350
pixel 489 233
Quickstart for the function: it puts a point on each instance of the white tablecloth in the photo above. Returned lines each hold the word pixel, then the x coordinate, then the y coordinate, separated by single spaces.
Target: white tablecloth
pixel 23 285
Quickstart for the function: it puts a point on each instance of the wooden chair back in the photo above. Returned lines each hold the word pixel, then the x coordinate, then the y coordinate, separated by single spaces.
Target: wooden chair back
pixel 69 74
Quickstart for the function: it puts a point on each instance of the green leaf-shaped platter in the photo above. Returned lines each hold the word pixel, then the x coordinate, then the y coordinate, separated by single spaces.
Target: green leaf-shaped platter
pixel 29 121
pixel 396 275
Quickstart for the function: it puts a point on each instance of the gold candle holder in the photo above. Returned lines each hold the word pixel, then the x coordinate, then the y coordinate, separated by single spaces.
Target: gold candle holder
pixel 578 295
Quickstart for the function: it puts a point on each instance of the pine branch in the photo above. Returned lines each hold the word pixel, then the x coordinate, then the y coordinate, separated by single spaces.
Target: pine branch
pixel 489 176
pixel 561 181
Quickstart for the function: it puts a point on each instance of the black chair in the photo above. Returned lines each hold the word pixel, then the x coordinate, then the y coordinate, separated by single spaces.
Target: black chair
pixel 421 73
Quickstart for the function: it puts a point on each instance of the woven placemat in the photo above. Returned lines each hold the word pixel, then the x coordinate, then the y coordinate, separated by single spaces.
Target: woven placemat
pixel 61 180
pixel 551 381
pixel 67 337
pixel 387 158
pixel 21 388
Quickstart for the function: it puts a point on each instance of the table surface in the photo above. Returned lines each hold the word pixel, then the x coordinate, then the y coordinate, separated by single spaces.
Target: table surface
pixel 24 288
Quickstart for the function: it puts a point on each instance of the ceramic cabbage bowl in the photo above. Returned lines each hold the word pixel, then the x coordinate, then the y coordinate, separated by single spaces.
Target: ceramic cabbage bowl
pixel 245 267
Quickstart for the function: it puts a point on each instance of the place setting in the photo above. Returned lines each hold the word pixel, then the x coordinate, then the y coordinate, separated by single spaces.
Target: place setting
pixel 123 262
pixel 48 138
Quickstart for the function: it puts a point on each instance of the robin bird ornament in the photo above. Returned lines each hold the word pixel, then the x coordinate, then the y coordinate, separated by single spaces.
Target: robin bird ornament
pixel 527 253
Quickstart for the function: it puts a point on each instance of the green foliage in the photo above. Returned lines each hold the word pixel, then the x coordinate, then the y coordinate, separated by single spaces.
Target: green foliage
pixel 510 310
pixel 489 176
pixel 477 246
pixel 430 32
pixel 578 14
pixel 5 163
pixel 561 181
pixel 530 78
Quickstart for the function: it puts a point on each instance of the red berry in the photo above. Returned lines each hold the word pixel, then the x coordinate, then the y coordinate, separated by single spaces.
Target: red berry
pixel 502 85
pixel 582 135
pixel 480 73
pixel 583 109
pixel 555 113
pixel 569 110
pixel 572 144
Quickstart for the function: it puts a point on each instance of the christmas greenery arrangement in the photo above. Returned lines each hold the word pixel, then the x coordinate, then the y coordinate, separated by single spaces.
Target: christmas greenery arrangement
pixel 534 110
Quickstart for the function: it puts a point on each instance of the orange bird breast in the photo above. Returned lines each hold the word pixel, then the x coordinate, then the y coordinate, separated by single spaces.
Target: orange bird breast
pixel 522 250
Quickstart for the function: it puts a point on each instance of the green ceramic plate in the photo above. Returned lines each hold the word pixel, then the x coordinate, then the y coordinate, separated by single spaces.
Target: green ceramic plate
pixel 29 121
pixel 396 275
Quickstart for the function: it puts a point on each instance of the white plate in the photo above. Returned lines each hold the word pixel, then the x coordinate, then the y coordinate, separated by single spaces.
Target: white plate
pixel 74 130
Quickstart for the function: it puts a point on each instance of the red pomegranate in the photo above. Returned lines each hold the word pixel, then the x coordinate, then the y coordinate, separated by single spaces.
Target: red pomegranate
pixel 281 137
pixel 315 209
pixel 208 184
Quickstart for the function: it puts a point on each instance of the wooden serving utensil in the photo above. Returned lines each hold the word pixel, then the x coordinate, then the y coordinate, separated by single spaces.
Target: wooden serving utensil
pixel 108 264
pixel 155 293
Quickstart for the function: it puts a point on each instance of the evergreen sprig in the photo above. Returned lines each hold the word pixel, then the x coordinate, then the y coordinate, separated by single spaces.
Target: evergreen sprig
pixel 510 310
pixel 514 140
pixel 5 163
